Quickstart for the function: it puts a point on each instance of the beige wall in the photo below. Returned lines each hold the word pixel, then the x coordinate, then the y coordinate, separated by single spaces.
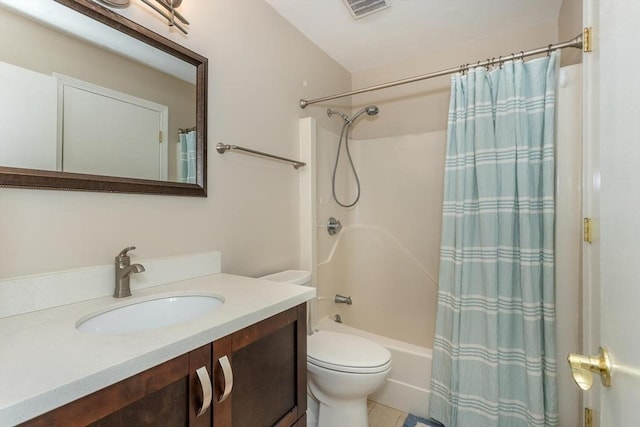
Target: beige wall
pixel 258 63
pixel 422 107
pixel 569 26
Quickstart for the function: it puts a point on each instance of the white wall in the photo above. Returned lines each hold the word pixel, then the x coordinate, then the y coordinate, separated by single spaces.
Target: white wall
pixel 568 236
pixel 257 65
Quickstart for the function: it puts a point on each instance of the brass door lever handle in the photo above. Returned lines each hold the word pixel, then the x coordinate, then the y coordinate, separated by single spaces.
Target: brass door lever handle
pixel 582 368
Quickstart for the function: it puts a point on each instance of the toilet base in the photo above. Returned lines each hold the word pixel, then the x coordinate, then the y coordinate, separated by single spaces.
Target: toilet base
pixel 312 410
pixel 346 413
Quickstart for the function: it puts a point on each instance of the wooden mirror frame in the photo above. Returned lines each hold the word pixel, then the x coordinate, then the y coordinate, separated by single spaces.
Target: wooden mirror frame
pixel 54 180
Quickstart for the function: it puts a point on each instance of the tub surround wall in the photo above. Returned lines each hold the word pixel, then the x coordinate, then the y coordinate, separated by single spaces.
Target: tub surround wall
pixel 332 279
pixel 308 194
pixel 386 257
pixel 396 239
pixel 326 207
pixel 259 66
pixel 403 181
pixel 318 147
pixel 392 294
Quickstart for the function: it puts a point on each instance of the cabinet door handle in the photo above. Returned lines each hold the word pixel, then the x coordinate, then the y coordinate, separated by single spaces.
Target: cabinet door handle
pixel 207 393
pixel 227 372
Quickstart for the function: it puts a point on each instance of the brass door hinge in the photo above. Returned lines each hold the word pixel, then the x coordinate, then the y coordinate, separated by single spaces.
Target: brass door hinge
pixel 587 39
pixel 588 230
pixel 588 417
pixel 160 136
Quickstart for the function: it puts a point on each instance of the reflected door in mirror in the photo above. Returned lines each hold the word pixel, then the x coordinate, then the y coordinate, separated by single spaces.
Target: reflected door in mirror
pixel 113 134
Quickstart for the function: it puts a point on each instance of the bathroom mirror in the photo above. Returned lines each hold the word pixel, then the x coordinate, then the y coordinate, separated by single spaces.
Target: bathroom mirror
pixel 92 101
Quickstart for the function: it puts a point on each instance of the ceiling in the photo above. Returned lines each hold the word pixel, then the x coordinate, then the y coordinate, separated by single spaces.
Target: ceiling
pixel 409 27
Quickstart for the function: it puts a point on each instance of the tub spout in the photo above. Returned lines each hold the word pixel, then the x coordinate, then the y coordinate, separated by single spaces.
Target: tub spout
pixel 341 299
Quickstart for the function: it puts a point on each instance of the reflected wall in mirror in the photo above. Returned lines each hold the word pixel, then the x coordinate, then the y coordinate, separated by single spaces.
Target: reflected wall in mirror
pixel 92 101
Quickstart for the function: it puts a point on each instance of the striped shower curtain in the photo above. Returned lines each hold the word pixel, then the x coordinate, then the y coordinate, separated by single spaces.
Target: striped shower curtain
pixel 494 351
pixel 187 157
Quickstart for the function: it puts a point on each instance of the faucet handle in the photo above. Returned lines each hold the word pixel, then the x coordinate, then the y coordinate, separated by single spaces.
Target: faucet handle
pixel 123 253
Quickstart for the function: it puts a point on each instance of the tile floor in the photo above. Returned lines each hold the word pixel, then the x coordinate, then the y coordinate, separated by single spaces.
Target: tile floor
pixel 384 416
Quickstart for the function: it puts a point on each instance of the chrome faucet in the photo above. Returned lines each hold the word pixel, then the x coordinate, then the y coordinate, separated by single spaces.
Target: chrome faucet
pixel 124 269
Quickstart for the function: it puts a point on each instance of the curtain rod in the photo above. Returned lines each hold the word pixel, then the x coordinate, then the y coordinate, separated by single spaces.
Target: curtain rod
pixel 187 130
pixel 575 42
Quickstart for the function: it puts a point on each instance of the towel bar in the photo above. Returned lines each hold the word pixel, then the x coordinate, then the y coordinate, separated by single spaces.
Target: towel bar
pixel 222 148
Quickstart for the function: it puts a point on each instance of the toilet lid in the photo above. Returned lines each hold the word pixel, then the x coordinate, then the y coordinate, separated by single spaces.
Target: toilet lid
pixel 346 353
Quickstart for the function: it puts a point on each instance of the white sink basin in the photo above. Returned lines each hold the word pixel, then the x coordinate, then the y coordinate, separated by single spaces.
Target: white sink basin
pixel 150 313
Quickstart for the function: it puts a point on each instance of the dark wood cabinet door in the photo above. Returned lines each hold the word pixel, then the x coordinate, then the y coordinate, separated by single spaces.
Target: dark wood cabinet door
pixel 166 395
pixel 268 361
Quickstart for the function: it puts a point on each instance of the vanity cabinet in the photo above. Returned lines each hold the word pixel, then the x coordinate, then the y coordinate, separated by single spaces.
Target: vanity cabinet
pixel 169 394
pixel 259 379
pixel 268 362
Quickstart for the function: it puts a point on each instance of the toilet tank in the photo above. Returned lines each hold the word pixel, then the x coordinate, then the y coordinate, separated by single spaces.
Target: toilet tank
pixel 295 277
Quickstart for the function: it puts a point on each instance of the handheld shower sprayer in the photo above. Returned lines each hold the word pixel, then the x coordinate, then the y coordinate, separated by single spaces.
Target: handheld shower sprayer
pixel 370 110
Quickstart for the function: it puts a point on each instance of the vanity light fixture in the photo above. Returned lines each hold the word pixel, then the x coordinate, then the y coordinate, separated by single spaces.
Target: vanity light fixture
pixel 117 3
pixel 169 13
pixel 166 8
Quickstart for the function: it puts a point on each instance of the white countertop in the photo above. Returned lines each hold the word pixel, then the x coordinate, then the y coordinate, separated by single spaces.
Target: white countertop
pixel 45 362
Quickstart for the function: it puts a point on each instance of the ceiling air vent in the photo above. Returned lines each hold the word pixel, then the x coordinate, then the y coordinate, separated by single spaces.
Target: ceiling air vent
pixel 362 8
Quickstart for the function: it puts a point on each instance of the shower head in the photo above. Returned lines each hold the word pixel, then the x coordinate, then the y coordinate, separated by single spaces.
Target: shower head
pixel 371 110
pixel 331 112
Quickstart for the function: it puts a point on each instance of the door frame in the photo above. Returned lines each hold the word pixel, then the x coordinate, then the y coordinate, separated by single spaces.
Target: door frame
pixel 591 205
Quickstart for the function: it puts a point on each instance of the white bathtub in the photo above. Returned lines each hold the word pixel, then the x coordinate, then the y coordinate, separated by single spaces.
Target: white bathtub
pixel 407 387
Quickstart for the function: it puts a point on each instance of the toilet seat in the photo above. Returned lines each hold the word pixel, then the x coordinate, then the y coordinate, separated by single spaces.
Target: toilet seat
pixel 347 353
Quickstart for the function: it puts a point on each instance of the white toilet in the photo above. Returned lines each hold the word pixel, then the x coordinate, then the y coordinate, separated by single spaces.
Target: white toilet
pixel 342 370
